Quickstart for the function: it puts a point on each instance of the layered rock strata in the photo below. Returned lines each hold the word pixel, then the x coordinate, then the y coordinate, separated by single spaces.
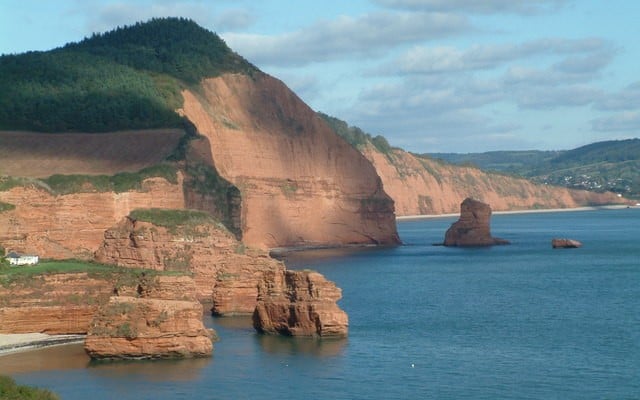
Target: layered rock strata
pixel 52 304
pixel 301 184
pixel 473 227
pixel 73 225
pixel 225 271
pixel 167 325
pixel 300 303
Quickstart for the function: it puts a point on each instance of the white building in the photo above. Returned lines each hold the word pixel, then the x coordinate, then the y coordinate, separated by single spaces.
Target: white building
pixel 22 259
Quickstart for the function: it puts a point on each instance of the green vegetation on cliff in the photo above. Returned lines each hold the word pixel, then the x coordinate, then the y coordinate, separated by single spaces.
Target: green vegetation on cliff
pixel 128 78
pixel 355 136
pixel 173 218
pixel 118 183
pixel 10 390
pixel 66 184
pixel 121 276
pixel 6 207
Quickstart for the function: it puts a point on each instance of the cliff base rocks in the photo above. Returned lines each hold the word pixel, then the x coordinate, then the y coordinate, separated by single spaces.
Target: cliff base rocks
pixel 473 227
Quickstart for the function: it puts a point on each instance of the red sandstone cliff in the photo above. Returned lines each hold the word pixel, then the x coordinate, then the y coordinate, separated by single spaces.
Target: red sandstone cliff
pixel 223 268
pixel 299 303
pixel 473 228
pixel 73 225
pixel 53 304
pixel 425 186
pixel 162 320
pixel 65 303
pixel 300 183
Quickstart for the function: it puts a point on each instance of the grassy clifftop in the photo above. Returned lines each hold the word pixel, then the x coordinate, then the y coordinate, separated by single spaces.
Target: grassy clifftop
pixel 128 78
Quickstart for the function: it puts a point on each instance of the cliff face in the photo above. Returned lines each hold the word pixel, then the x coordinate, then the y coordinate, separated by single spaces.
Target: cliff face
pixel 162 320
pixel 221 266
pixel 300 183
pixel 73 225
pixel 299 303
pixel 38 155
pixel 425 186
pixel 53 304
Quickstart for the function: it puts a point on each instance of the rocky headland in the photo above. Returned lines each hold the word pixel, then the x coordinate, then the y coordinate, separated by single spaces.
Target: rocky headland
pixel 301 184
pixel 227 273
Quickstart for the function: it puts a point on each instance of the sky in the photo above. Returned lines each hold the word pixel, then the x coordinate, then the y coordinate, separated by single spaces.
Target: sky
pixel 429 75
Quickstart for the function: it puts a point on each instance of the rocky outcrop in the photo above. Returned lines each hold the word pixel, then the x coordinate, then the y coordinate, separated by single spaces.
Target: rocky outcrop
pixel 159 317
pixel 558 243
pixel 299 303
pixel 224 269
pixel 52 303
pixel 236 288
pixel 300 183
pixel 473 227
pixel 422 186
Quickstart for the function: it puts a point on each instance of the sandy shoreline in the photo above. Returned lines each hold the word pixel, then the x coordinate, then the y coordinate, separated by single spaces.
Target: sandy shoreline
pixel 549 210
pixel 19 342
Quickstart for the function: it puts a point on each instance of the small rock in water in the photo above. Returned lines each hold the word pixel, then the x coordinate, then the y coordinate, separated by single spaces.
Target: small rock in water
pixel 565 243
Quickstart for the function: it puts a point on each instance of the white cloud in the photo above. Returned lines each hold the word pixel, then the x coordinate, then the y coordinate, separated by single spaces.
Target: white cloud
pixel 624 121
pixel 626 99
pixel 582 56
pixel 233 19
pixel 554 97
pixel 525 7
pixel 346 37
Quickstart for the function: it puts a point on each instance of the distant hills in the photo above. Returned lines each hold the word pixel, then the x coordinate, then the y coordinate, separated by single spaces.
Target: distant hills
pixel 612 165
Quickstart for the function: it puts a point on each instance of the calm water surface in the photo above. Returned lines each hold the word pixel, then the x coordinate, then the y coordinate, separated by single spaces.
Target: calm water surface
pixel 520 322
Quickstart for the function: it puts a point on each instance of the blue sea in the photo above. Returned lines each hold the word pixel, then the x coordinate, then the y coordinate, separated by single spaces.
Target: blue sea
pixel 521 321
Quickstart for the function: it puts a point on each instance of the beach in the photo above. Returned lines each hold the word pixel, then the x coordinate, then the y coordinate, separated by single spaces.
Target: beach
pixel 17 342
pixel 529 211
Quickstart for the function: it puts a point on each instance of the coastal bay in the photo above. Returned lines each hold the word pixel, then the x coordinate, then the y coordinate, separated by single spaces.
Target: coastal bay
pixel 522 321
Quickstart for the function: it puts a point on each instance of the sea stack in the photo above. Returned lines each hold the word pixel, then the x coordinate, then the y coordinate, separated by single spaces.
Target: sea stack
pixel 473 227
pixel 300 303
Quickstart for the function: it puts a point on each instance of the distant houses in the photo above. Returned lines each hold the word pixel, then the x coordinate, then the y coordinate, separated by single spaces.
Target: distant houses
pixel 21 259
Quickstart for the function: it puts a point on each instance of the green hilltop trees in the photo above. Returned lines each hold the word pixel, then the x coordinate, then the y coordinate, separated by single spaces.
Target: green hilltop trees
pixel 128 78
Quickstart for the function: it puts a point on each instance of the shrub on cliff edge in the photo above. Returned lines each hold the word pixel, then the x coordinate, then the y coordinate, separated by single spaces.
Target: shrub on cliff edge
pixel 10 390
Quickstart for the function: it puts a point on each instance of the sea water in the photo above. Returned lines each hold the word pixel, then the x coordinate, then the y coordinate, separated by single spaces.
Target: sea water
pixel 522 321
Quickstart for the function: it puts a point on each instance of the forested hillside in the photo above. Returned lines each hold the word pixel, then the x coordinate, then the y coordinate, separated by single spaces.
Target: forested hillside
pixel 129 78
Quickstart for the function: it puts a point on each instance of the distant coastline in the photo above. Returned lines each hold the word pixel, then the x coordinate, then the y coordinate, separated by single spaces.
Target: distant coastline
pixel 548 210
